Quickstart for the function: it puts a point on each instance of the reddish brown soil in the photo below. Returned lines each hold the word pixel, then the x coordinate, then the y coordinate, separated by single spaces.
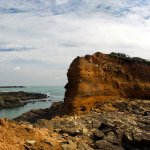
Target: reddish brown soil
pixel 14 136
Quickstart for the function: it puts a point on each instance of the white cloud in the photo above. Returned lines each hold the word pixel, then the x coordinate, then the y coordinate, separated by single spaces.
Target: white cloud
pixel 17 68
pixel 60 2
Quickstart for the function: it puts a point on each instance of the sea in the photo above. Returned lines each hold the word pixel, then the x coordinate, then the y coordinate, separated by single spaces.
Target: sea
pixel 54 93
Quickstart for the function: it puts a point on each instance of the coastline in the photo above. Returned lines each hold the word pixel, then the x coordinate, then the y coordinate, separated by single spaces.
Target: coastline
pixel 104 108
pixel 117 125
pixel 12 86
pixel 15 99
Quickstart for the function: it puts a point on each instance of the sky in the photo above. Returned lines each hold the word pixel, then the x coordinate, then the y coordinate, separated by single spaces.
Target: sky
pixel 40 38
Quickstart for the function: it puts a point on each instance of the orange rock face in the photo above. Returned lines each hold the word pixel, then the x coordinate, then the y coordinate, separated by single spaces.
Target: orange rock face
pixel 23 136
pixel 100 77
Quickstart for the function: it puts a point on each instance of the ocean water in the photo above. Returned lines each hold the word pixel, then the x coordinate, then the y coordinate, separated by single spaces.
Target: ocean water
pixel 55 93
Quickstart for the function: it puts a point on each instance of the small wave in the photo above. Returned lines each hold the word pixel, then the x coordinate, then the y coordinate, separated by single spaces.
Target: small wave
pixel 5 91
pixel 48 94
pixel 57 98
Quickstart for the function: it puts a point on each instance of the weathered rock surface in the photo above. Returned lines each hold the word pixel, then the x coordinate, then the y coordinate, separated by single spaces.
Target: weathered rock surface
pixel 113 128
pixel 23 136
pixel 98 77
pixel 34 115
pixel 14 99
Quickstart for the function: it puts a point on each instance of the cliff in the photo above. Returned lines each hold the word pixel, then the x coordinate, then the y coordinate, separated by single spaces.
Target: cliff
pixel 98 77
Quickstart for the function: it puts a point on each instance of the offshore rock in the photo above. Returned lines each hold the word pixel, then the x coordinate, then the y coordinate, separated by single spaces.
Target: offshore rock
pixel 14 99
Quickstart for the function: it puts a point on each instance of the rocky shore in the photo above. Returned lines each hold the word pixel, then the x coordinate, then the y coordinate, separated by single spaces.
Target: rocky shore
pixel 106 107
pixel 115 125
pixel 14 99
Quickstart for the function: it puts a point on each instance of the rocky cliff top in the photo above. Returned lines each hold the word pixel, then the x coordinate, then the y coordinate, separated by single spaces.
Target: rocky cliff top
pixel 98 77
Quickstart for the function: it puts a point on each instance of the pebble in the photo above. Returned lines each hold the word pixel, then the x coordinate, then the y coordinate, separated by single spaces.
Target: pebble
pixel 31 142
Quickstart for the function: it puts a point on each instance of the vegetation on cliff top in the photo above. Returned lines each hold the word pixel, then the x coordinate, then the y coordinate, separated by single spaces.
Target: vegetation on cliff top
pixel 128 58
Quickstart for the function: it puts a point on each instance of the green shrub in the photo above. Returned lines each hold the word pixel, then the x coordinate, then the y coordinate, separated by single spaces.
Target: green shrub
pixel 128 58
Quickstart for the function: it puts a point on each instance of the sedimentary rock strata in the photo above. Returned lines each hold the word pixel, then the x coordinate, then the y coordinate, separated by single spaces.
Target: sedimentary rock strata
pixel 99 77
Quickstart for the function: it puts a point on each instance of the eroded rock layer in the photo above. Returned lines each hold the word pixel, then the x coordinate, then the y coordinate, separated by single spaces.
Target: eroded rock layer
pixel 98 77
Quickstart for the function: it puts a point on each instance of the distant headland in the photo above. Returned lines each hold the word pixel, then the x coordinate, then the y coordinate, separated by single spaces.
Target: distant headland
pixel 12 86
